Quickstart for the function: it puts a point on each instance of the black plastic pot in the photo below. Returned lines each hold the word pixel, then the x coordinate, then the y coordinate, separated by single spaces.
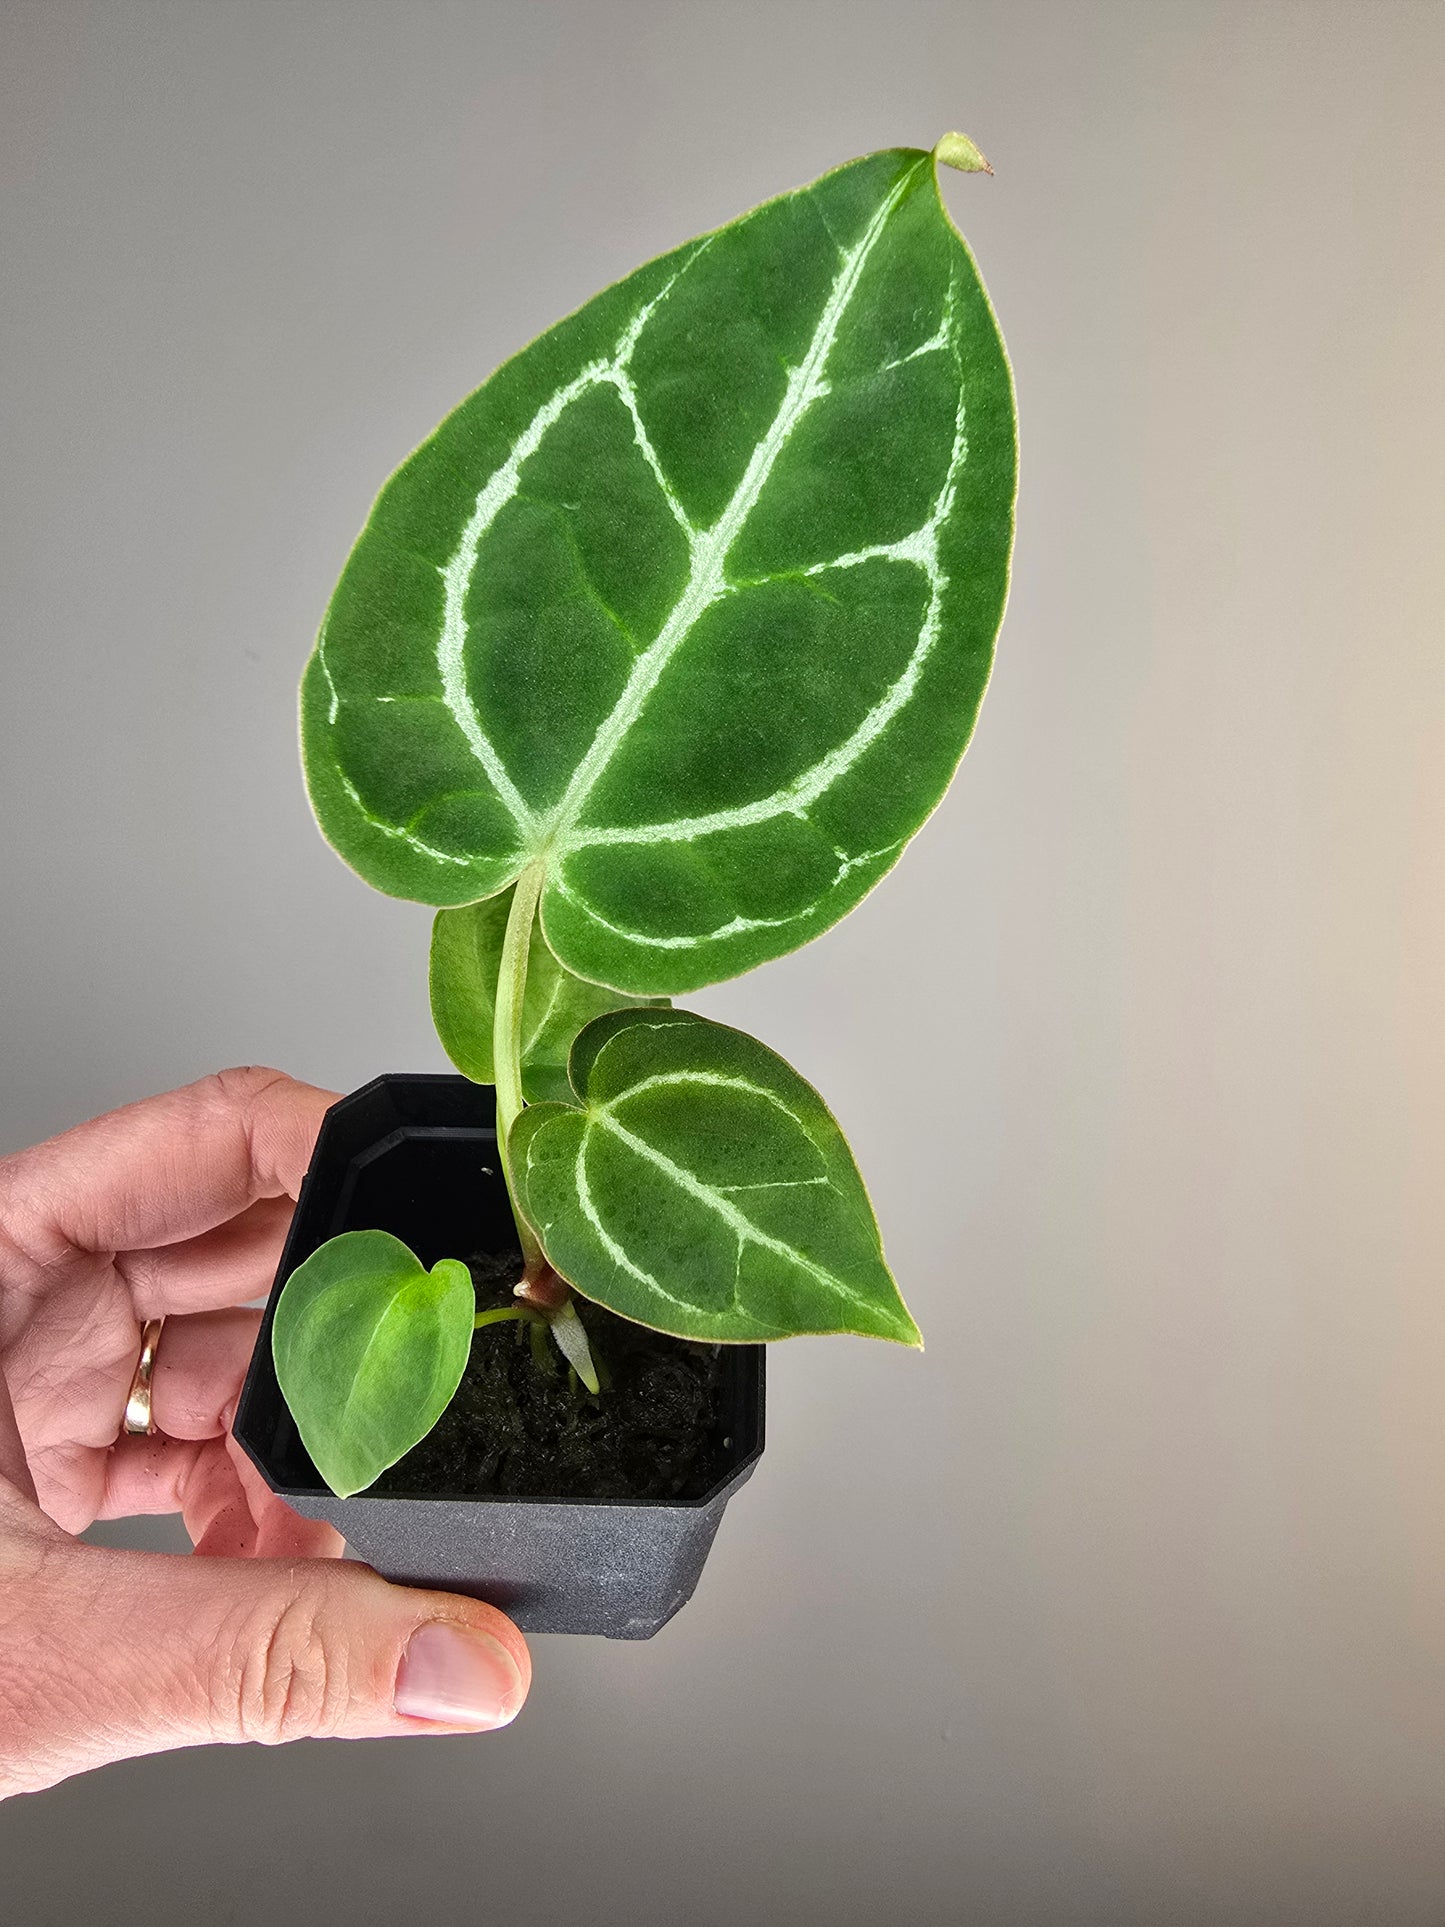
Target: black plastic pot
pixel 417 1156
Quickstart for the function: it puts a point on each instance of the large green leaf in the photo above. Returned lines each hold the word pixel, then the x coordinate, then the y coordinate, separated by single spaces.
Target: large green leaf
pixel 694 601
pixel 703 1188
pixel 466 960
pixel 369 1348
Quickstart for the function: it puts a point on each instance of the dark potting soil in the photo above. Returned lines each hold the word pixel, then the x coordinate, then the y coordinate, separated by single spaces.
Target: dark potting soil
pixel 531 1431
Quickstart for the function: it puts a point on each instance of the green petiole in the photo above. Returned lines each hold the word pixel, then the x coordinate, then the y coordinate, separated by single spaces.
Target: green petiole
pixel 500 1314
pixel 507 1050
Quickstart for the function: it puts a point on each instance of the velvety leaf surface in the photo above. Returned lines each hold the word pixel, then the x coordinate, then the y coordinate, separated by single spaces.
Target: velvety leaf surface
pixel 369 1350
pixel 466 957
pixel 700 1186
pixel 694 601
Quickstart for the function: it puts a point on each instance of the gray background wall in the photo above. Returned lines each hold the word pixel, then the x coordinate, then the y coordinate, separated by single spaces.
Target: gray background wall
pixel 1127 1602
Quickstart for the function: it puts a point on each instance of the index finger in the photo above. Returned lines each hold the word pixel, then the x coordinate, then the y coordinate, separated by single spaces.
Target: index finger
pixel 167 1168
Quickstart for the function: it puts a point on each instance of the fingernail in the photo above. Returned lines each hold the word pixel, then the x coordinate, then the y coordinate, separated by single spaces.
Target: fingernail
pixel 458 1677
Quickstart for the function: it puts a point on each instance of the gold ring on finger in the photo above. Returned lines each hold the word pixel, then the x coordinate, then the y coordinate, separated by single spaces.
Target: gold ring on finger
pixel 139 1418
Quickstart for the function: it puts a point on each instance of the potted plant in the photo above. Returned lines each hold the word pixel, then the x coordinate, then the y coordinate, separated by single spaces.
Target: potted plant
pixel 644 669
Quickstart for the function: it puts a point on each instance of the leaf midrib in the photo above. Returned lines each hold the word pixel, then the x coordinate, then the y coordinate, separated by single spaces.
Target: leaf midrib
pixel 393 1306
pixel 738 1222
pixel 706 580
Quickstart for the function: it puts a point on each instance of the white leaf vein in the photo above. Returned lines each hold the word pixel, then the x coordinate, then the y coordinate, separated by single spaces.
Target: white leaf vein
pixel 616 1252
pixel 738 1222
pixel 735 926
pixel 707 578
pixel 920 547
pixel 456 574
pixel 715 1080
pixel 492 498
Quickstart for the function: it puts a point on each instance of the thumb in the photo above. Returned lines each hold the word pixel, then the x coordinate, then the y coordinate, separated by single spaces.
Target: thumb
pixel 105 1655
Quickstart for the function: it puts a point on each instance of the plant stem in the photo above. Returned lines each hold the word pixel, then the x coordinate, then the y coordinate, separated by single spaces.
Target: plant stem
pixel 507 1048
pixel 540 1285
pixel 503 1314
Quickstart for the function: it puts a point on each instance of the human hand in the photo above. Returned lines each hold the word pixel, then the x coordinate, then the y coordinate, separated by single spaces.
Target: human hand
pixel 176 1207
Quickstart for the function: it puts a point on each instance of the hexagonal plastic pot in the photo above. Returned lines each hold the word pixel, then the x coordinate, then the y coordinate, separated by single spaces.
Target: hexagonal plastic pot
pixel 417 1156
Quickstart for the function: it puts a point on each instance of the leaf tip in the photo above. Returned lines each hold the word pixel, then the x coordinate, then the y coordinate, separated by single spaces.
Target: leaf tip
pixel 905 1331
pixel 957 150
pixel 451 1272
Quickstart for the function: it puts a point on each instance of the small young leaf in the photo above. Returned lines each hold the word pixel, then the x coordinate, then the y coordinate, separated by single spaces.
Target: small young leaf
pixel 703 1188
pixel 957 150
pixel 466 957
pixel 369 1349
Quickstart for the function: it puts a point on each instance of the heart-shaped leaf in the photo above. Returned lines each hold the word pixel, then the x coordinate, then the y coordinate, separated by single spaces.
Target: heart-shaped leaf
pixel 369 1348
pixel 703 1188
pixel 694 602
pixel 466 959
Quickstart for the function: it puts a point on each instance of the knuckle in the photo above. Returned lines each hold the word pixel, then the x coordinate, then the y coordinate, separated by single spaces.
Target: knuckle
pixel 238 1089
pixel 243 1080
pixel 290 1684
